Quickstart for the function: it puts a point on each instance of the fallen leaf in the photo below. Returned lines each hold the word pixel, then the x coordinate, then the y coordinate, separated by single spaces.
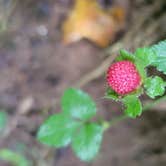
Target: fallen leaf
pixel 89 20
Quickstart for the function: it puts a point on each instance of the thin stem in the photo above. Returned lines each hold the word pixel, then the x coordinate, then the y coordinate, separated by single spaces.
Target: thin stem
pixel 146 107
pixel 154 103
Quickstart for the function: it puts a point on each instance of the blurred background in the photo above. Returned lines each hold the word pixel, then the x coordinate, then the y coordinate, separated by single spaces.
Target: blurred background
pixel 47 46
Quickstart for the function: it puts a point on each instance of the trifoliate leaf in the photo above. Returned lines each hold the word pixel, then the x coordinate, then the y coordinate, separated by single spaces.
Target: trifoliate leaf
pixel 78 104
pixel 155 86
pixel 133 106
pixel 57 130
pixel 160 50
pixel 14 158
pixel 87 142
pixel 145 56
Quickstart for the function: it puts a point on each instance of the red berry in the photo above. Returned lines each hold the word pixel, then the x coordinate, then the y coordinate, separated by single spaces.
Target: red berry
pixel 123 77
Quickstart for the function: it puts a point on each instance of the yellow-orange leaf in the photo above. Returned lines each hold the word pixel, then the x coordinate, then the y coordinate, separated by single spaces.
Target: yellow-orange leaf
pixel 89 20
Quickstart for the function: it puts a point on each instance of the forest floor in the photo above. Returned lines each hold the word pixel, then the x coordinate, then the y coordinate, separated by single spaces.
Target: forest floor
pixel 36 67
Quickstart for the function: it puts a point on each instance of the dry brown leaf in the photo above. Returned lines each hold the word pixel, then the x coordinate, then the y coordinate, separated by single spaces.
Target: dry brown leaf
pixel 89 20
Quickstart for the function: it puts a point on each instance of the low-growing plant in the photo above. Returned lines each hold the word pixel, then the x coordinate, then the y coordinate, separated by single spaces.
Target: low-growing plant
pixel 128 79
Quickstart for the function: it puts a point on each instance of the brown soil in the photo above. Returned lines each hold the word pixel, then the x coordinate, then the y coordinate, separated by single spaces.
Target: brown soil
pixel 36 68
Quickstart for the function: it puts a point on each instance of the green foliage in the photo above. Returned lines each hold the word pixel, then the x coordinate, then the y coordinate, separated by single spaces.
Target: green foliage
pixel 72 125
pixel 141 69
pixel 3 119
pixel 155 86
pixel 160 50
pixel 145 56
pixel 87 143
pixel 78 104
pixel 111 94
pixel 13 158
pixel 57 130
pixel 125 55
pixel 133 106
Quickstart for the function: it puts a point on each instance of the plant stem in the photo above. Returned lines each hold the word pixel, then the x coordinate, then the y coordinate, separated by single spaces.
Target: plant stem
pixel 146 107
pixel 154 103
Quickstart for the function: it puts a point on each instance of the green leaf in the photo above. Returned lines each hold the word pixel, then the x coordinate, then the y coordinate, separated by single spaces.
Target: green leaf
pixel 78 104
pixel 3 119
pixel 145 56
pixel 155 86
pixel 133 106
pixel 86 143
pixel 160 50
pixel 141 69
pixel 111 94
pixel 13 158
pixel 125 55
pixel 57 130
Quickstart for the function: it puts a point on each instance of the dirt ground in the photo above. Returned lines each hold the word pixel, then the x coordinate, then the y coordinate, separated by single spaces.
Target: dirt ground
pixel 35 69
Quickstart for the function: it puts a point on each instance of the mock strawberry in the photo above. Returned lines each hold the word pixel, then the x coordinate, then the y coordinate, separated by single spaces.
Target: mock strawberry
pixel 123 77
